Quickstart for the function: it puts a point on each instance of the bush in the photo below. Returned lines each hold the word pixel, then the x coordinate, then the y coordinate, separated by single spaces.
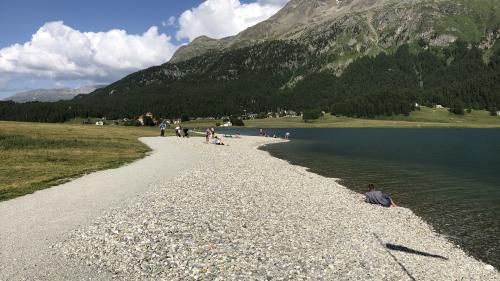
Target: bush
pixel 311 114
pixel 132 123
pixel 457 108
pixel 217 124
pixel 237 121
pixel 148 121
pixel 493 111
pixel 185 118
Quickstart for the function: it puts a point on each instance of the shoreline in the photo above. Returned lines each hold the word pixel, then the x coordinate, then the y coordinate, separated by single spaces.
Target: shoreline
pixel 337 180
pixel 426 218
pixel 242 213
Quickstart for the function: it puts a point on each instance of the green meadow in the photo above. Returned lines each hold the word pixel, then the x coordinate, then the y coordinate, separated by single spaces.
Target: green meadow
pixel 424 118
pixel 35 156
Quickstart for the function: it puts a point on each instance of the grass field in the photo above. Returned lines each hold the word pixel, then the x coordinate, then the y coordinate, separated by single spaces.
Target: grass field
pixel 35 156
pixel 424 118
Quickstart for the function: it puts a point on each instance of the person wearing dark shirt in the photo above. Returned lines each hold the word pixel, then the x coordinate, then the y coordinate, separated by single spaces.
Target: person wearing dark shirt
pixel 377 197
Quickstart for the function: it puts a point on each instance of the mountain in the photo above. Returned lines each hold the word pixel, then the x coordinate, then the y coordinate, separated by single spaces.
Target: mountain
pixel 360 58
pixel 354 28
pixel 52 95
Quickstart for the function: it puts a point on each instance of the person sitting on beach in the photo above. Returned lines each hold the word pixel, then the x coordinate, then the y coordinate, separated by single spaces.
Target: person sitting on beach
pixel 377 197
pixel 218 141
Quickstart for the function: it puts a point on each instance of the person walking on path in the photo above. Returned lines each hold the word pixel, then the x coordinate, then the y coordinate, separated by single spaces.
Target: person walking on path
pixel 377 197
pixel 178 131
pixel 163 127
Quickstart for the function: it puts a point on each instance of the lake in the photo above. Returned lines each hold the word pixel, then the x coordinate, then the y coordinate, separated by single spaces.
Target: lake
pixel 449 177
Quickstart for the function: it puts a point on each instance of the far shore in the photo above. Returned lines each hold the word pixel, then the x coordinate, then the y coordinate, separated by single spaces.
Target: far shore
pixel 425 118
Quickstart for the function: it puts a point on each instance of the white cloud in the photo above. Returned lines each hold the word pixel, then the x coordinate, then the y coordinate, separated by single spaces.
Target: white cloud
pixel 221 18
pixel 59 52
pixel 170 22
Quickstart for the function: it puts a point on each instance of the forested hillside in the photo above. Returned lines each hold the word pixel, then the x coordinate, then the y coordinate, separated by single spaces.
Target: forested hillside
pixel 258 79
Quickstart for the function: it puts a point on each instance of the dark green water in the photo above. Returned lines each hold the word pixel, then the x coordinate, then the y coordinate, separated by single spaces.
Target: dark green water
pixel 449 177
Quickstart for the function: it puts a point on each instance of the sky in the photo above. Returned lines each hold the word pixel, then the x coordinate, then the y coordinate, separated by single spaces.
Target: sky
pixel 56 43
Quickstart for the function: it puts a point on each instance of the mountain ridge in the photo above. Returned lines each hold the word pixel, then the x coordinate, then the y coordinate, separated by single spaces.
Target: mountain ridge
pixel 52 95
pixel 385 24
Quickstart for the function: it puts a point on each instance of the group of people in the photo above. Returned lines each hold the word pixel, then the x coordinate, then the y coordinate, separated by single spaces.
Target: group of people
pixel 373 196
pixel 263 133
pixel 179 131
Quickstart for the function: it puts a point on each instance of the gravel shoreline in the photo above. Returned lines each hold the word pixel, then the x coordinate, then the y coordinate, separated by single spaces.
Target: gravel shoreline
pixel 241 214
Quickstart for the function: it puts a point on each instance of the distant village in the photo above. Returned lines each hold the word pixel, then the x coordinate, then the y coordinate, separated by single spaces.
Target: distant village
pixel 149 119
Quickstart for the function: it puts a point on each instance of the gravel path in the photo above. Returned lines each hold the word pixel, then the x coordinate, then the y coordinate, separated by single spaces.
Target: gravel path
pixel 31 224
pixel 239 214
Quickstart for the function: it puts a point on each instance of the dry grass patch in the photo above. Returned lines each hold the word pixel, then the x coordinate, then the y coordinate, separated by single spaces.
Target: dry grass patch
pixel 35 156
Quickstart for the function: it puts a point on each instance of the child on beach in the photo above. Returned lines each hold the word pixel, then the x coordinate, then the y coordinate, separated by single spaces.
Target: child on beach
pixel 377 197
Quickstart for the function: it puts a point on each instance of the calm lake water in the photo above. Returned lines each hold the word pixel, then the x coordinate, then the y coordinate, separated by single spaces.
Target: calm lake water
pixel 449 177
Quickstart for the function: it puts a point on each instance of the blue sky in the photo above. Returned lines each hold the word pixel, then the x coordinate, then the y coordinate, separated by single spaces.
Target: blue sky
pixel 56 43
pixel 19 19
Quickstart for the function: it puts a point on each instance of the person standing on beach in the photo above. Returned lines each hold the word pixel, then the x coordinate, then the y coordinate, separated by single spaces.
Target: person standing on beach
pixel 213 132
pixel 287 135
pixel 208 134
pixel 377 197
pixel 186 132
pixel 163 127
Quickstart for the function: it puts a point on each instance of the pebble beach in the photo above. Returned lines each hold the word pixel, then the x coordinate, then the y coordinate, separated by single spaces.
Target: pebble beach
pixel 239 214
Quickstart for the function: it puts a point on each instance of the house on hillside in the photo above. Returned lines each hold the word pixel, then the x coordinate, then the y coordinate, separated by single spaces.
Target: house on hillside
pixel 141 118
pixel 290 113
pixel 498 113
pixel 227 124
pixel 438 106
pixel 99 123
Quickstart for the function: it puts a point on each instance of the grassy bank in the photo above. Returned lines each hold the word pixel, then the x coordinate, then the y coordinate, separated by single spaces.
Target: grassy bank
pixel 424 118
pixel 35 156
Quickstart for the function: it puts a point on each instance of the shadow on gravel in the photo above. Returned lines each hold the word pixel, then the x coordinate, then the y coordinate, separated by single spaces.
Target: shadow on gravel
pixel 411 251
pixel 395 259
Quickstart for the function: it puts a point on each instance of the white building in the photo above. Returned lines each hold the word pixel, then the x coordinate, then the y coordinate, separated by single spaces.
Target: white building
pixel 438 106
pixel 99 123
pixel 498 113
pixel 227 124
